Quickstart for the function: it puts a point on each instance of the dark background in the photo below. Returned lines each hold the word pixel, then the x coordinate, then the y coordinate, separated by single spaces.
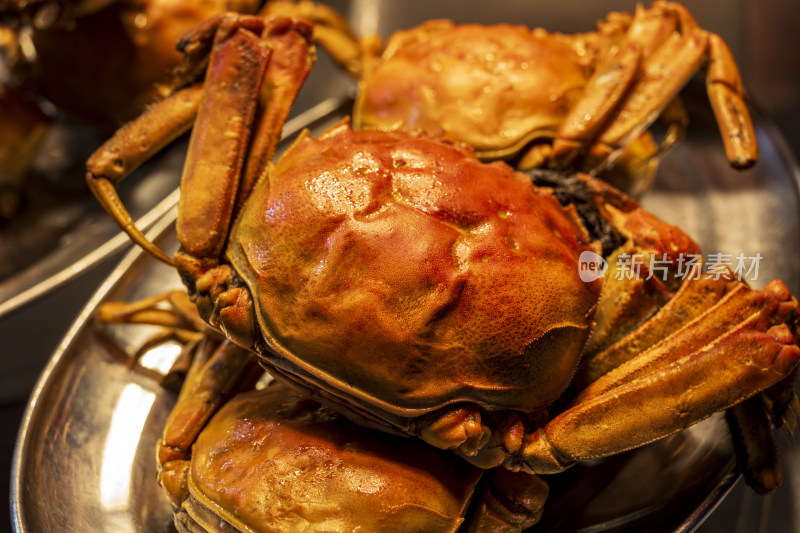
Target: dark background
pixel 765 39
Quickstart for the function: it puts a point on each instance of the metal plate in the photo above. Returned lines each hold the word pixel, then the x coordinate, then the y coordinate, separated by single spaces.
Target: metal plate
pixel 85 455
pixel 62 234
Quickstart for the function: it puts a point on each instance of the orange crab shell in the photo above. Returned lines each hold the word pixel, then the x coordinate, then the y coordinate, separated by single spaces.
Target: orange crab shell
pixel 469 82
pixel 270 463
pixel 414 276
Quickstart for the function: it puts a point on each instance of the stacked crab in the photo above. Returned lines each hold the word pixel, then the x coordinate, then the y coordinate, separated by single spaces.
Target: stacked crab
pixel 395 274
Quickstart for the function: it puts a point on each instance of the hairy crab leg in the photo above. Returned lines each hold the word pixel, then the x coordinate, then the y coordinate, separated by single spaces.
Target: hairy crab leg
pixel 627 300
pixel 663 76
pixel 602 93
pixel 197 43
pixel 179 312
pixel 615 76
pixel 672 49
pixel 510 501
pixel 695 295
pixel 219 139
pixel 172 310
pixel 676 119
pixel 289 66
pixel 290 62
pixel 750 426
pixel 242 57
pixel 773 306
pixel 754 444
pixel 726 94
pixel 672 391
pixel 132 145
pixel 218 371
pixel 217 173
pixel 329 30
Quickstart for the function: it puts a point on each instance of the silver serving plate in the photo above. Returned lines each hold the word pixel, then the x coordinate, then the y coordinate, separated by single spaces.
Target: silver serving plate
pixel 47 246
pixel 85 455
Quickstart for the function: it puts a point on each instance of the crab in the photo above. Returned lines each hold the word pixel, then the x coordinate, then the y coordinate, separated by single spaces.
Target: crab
pixel 79 68
pixel 403 282
pixel 101 62
pixel 256 456
pixel 402 486
pixel 539 99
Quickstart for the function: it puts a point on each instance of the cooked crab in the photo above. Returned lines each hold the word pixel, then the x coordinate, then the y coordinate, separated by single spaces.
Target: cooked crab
pixel 346 478
pixel 101 62
pixel 540 99
pixel 426 293
pixel 235 457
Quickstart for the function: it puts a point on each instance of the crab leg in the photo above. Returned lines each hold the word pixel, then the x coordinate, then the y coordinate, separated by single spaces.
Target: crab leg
pixel 603 91
pixel 217 369
pixel 219 140
pixel 509 501
pixel 750 426
pixel 329 30
pixel 676 119
pixel 218 372
pixel 179 313
pixel 627 299
pixel 696 294
pixel 238 62
pixel 773 304
pixel 613 79
pixel 670 390
pixel 754 445
pixel 725 92
pixel 673 48
pixel 662 76
pixel 132 145
pixel 172 310
pixel 290 61
pixel 197 43
pixel 217 176
pixel 289 66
